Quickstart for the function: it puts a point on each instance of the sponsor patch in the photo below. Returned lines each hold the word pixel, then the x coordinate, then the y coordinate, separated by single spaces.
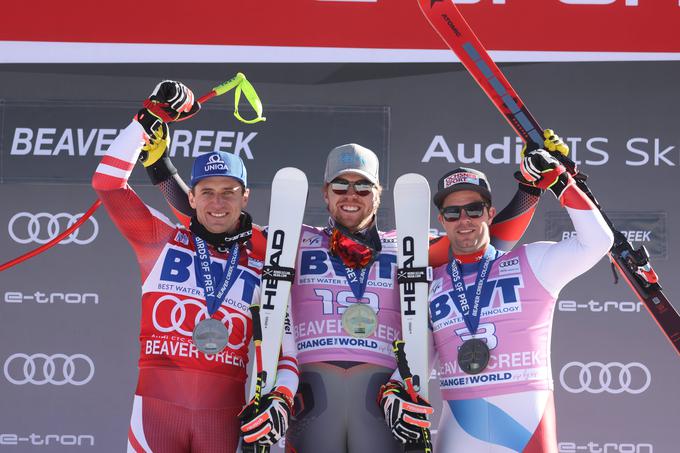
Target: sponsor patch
pixel 436 286
pixel 310 239
pixel 510 266
pixel 182 238
pixel 459 178
pixel 215 164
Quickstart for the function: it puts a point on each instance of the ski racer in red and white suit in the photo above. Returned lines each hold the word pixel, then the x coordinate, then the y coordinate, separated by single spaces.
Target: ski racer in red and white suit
pixel 185 401
pixel 506 405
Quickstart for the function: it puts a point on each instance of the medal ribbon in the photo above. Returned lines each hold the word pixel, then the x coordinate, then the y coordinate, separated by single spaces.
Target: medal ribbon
pixel 357 279
pixel 471 314
pixel 206 278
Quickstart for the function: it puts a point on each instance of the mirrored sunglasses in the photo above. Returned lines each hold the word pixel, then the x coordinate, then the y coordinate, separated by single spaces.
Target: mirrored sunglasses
pixel 361 188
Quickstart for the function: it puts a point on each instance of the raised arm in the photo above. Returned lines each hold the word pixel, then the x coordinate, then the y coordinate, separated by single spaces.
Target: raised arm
pixel 163 175
pixel 145 228
pixel 145 138
pixel 557 263
pixel 512 221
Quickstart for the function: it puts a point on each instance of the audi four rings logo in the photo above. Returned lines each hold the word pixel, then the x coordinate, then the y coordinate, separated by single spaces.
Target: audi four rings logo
pixel 612 377
pixel 55 369
pixel 25 227
pixel 173 319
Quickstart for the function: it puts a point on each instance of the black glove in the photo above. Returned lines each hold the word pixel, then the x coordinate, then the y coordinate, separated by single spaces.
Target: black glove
pixel 407 419
pixel 267 424
pixel 540 169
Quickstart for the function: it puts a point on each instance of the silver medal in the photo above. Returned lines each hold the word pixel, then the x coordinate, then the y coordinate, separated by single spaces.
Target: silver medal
pixel 210 336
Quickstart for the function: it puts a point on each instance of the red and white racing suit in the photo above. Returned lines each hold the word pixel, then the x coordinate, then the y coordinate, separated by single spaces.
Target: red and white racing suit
pixel 186 401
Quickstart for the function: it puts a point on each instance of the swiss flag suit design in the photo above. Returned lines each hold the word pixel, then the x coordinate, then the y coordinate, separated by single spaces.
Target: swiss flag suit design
pixel 509 406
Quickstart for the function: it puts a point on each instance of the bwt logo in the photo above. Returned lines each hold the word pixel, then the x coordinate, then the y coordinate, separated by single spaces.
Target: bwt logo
pixel 17 297
pixel 315 262
pixel 47 439
pixel 25 227
pixel 55 369
pixel 612 377
pixel 600 307
pixel 506 289
pixel 607 447
pixel 178 267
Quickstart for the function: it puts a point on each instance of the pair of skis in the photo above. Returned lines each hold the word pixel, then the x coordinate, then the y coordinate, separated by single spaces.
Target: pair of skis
pixel 412 212
pixel 289 193
pixel 632 264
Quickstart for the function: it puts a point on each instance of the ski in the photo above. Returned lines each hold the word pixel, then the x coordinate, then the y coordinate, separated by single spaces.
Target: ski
pixel 425 445
pixel 633 265
pixel 412 216
pixel 288 199
pixel 446 19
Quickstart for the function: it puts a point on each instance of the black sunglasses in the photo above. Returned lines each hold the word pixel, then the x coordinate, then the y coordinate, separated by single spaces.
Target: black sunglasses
pixel 361 188
pixel 473 210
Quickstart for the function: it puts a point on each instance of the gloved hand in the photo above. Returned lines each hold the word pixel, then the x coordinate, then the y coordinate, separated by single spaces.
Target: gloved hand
pixel 170 101
pixel 540 169
pixel 156 137
pixel 552 143
pixel 406 418
pixel 268 424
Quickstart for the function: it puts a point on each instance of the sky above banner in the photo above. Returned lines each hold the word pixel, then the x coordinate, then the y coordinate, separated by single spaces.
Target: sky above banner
pixel 333 30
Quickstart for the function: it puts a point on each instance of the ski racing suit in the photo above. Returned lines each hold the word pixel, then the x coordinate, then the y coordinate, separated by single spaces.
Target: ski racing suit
pixel 185 401
pixel 340 376
pixel 509 406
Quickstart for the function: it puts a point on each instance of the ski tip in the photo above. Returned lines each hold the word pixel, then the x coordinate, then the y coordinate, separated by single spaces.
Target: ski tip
pixel 291 173
pixel 412 180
